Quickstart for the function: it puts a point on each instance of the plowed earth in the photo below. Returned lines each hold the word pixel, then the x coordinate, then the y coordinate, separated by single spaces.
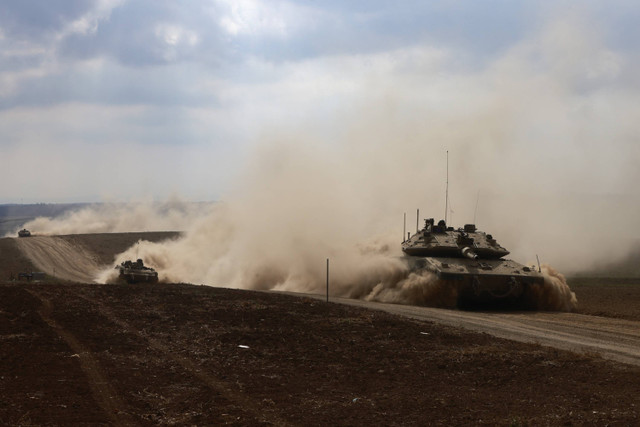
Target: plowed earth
pixel 77 354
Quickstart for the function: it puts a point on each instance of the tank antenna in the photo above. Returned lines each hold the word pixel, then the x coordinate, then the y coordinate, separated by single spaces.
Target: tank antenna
pixel 404 230
pixel 539 269
pixel 417 219
pixel 475 213
pixel 446 194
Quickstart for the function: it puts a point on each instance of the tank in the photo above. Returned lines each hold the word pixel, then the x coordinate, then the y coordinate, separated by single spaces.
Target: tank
pixel 24 233
pixel 137 272
pixel 471 260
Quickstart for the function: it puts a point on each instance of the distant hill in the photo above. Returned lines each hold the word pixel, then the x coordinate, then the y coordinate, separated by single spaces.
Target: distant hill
pixel 13 216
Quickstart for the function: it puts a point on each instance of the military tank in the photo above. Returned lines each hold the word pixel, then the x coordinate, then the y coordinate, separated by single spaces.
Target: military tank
pixel 137 272
pixel 24 233
pixel 471 260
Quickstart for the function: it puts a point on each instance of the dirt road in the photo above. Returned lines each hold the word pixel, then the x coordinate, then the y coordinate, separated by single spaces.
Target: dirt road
pixel 613 339
pixel 56 257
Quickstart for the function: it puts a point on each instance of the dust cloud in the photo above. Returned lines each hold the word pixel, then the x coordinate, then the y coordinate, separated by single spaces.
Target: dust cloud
pixel 171 215
pixel 529 136
pixel 553 295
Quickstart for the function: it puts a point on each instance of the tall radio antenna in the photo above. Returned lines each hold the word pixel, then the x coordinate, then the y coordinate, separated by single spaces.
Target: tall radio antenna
pixel 475 213
pixel 446 194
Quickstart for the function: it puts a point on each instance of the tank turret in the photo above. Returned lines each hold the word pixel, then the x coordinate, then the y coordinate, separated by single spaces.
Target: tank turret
pixel 442 241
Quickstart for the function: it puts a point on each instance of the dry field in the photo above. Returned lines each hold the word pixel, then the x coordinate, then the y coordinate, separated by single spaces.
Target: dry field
pixel 183 354
pixel 610 297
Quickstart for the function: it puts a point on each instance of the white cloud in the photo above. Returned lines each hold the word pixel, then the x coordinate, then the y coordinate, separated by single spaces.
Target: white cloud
pixel 88 23
pixel 258 18
pixel 176 40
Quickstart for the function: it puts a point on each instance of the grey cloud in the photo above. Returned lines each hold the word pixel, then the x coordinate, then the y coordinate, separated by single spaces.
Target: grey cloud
pixel 133 35
pixel 368 27
pixel 168 86
pixel 37 20
pixel 139 60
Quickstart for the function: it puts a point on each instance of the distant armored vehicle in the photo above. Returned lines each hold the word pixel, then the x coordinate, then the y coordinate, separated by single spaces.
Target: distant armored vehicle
pixel 24 233
pixel 136 272
pixel 471 260
pixel 34 275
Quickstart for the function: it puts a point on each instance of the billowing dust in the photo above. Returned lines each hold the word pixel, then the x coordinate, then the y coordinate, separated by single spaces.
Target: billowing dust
pixel 216 252
pixel 171 215
pixel 553 295
pixel 519 131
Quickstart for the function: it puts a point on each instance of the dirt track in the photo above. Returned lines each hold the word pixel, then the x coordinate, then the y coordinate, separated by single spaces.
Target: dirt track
pixel 614 339
pixel 78 257
pixel 56 257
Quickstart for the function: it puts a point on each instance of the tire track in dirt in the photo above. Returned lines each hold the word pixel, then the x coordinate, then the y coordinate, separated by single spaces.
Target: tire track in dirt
pixel 223 388
pixel 614 339
pixel 57 257
pixel 103 392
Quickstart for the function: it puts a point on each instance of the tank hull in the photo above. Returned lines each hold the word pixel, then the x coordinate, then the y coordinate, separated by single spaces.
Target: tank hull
pixel 480 281
pixel 134 276
pixel 136 272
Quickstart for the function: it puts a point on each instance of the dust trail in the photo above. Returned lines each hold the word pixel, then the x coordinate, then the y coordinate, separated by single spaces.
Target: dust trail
pixel 362 272
pixel 418 288
pixel 307 196
pixel 554 294
pixel 171 215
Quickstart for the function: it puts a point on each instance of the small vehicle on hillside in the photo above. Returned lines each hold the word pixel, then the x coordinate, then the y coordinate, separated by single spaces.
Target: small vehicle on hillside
pixel 24 233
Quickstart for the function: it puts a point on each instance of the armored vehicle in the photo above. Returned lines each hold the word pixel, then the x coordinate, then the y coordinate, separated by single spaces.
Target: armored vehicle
pixel 471 260
pixel 137 272
pixel 24 233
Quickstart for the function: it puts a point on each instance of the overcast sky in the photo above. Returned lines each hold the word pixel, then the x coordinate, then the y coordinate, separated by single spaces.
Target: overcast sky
pixel 138 99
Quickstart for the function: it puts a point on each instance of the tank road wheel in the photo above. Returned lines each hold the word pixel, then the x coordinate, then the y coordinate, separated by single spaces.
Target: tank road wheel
pixel 515 289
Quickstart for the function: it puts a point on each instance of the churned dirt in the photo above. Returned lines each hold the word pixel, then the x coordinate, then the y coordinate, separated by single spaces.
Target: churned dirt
pixel 183 354
pixel 87 354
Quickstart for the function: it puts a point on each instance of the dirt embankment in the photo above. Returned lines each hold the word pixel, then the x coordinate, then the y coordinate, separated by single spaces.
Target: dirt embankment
pixel 59 259
pixel 196 355
pixel 76 258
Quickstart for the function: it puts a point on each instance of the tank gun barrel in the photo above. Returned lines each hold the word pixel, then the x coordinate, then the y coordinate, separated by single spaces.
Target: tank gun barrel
pixel 468 252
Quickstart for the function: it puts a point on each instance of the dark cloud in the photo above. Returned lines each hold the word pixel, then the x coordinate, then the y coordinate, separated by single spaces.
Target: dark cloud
pixel 37 20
